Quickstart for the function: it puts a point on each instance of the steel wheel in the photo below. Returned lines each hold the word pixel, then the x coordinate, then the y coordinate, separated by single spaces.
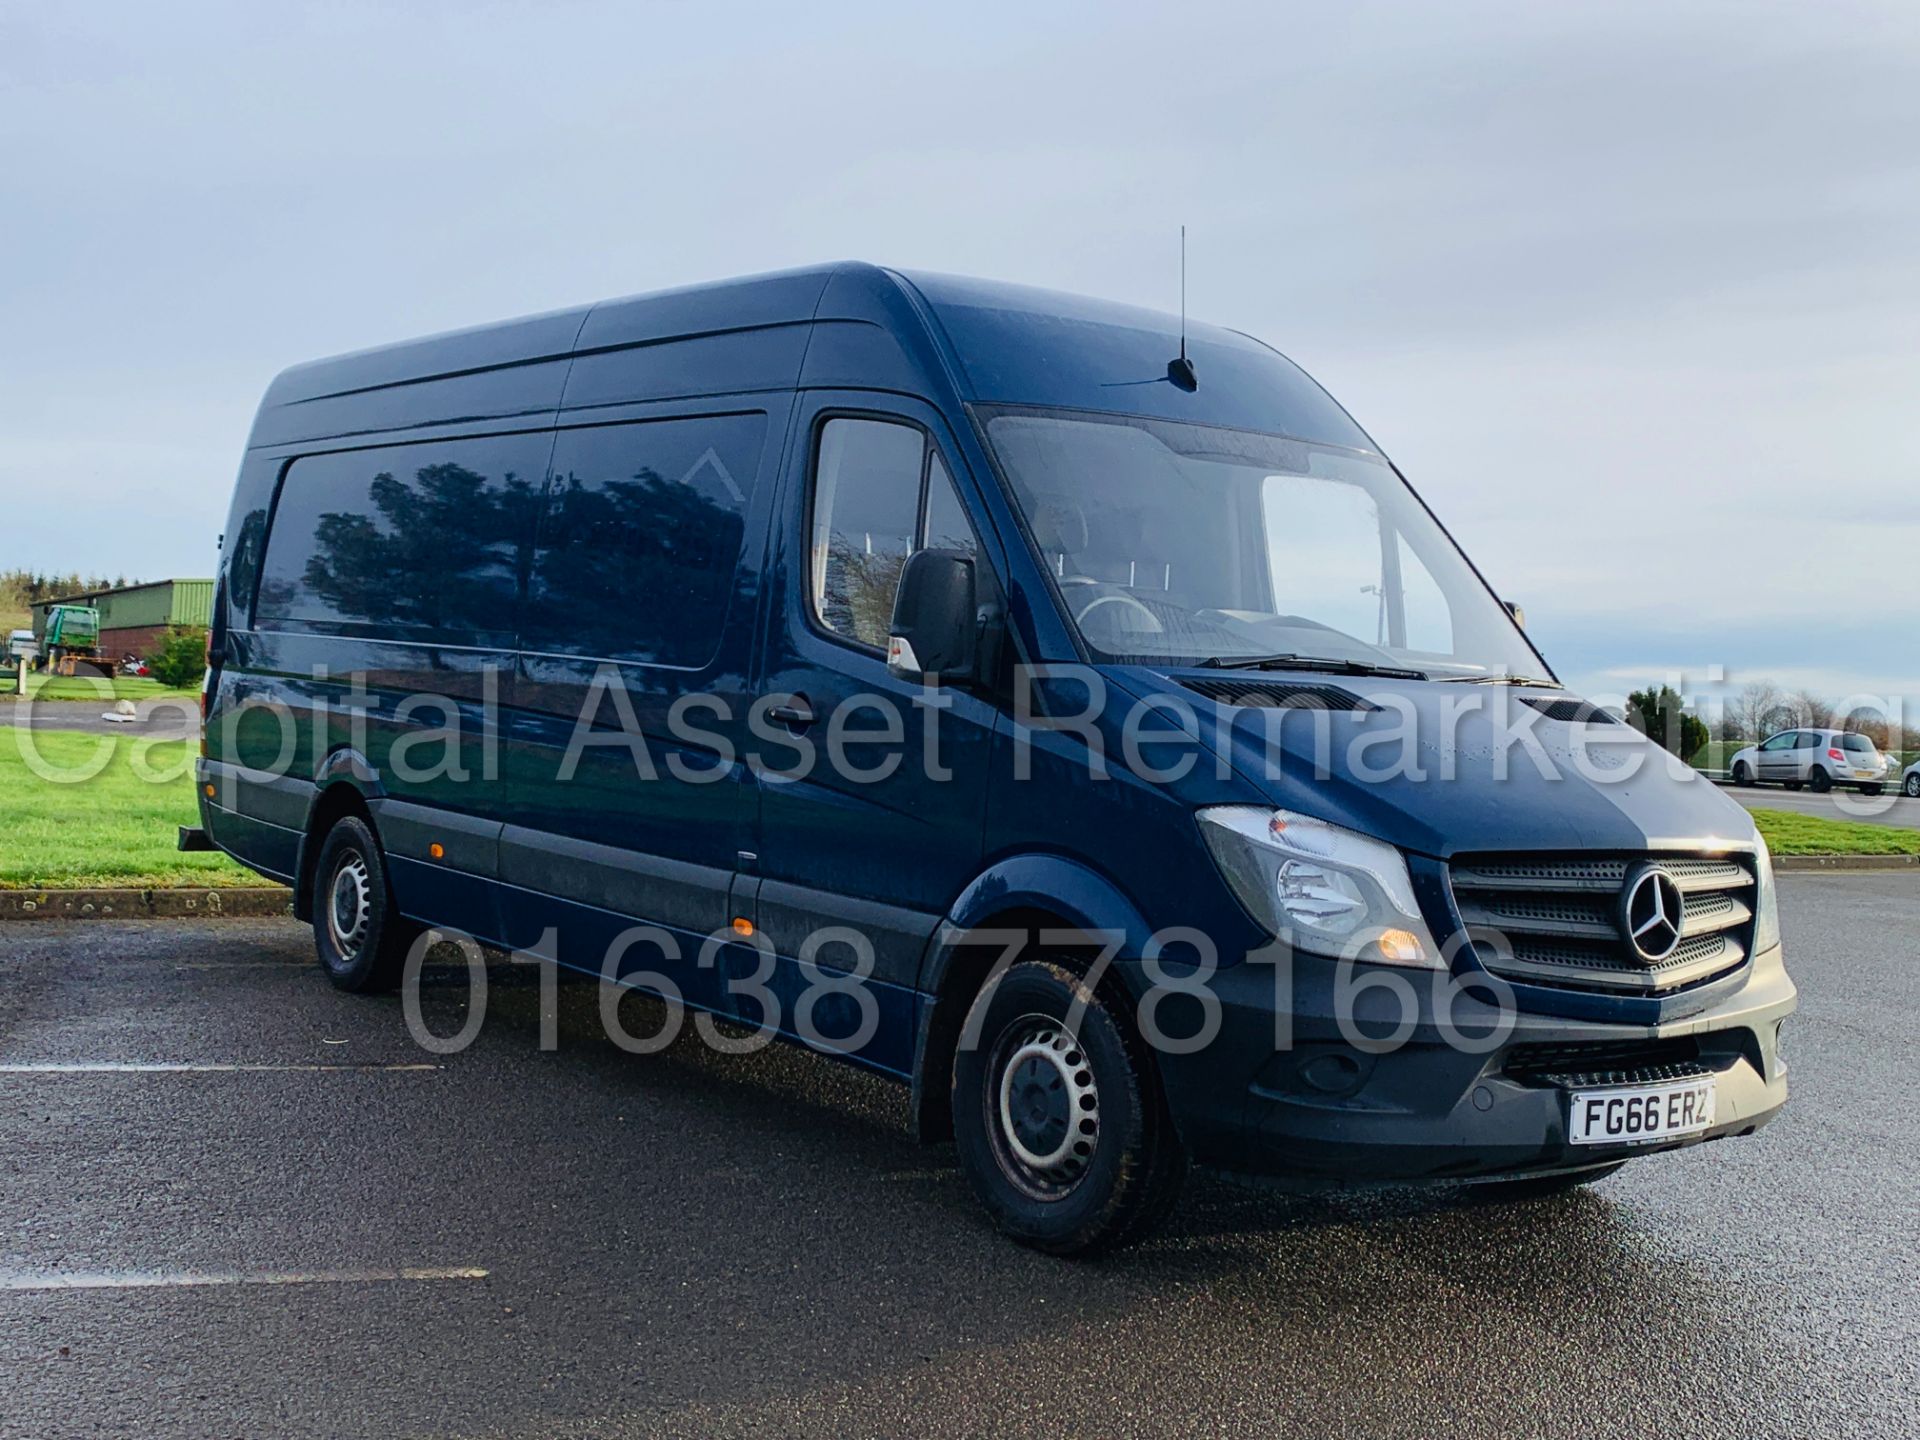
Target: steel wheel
pixel 361 940
pixel 1058 1117
pixel 349 904
pixel 1047 1124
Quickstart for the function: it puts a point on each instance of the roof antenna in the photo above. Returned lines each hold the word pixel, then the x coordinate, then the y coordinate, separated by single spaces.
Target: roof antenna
pixel 1180 371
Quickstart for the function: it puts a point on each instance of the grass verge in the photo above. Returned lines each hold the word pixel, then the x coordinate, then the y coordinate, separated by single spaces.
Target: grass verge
pixel 100 810
pixel 41 686
pixel 1790 833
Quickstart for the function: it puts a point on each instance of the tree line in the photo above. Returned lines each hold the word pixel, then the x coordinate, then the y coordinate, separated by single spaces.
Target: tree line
pixel 1763 708
pixel 21 589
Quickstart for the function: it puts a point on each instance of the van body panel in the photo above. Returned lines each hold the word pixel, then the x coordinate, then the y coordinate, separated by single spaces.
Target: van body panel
pixel 549 533
pixel 1033 347
pixel 623 879
pixel 831 837
pixel 1538 793
pixel 1081 898
pixel 605 722
pixel 496 372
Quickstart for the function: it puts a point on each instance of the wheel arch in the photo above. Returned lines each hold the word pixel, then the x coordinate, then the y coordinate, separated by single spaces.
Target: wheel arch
pixel 1029 894
pixel 345 785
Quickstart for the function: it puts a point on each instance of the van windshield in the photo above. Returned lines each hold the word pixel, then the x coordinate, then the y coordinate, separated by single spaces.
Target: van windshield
pixel 1177 544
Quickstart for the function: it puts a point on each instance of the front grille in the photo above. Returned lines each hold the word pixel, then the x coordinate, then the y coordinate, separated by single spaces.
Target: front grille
pixel 1557 920
pixel 1605 1062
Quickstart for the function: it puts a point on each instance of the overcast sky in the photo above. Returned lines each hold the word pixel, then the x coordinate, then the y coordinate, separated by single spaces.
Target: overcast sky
pixel 1631 292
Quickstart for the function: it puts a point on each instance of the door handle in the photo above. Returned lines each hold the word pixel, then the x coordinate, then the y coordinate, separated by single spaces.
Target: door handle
pixel 795 716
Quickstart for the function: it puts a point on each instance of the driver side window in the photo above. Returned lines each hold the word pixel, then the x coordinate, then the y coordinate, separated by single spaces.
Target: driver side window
pixel 880 492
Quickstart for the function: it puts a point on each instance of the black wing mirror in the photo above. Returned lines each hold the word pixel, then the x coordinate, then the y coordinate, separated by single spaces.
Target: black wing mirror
pixel 935 618
pixel 1518 613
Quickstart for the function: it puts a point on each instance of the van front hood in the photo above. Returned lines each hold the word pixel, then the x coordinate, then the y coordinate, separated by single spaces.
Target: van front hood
pixel 1446 769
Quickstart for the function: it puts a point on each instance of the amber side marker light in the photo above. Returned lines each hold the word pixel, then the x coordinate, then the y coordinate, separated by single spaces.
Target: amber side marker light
pixel 742 925
pixel 1400 945
pixel 437 850
pixel 209 791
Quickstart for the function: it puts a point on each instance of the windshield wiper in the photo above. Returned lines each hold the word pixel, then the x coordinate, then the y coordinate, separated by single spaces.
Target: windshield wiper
pixel 1291 661
pixel 1499 680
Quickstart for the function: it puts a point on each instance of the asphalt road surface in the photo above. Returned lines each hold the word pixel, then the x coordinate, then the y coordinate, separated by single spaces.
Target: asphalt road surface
pixel 1884 809
pixel 688 1244
pixel 165 719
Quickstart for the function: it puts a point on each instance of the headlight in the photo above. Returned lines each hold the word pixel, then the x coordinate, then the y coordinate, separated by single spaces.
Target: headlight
pixel 1319 886
pixel 1766 924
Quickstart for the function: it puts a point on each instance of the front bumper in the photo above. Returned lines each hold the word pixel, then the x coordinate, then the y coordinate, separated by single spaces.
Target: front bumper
pixel 1321 1111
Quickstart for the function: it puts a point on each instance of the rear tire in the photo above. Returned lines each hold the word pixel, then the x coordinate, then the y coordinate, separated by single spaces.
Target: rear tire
pixel 1742 776
pixel 1871 789
pixel 1820 781
pixel 361 939
pixel 1534 1187
pixel 1062 1132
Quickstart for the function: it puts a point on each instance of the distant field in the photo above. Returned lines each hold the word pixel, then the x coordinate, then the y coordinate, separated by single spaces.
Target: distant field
pixel 115 827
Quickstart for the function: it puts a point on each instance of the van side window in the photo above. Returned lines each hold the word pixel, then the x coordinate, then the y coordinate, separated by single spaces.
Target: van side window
pixel 640 539
pixel 427 542
pixel 946 526
pixel 880 492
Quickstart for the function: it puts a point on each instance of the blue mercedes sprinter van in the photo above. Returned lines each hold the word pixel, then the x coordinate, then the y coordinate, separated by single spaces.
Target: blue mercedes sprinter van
pixel 1060 709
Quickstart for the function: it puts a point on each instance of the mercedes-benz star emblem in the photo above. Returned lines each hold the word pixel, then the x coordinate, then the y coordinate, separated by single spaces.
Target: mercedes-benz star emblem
pixel 1652 909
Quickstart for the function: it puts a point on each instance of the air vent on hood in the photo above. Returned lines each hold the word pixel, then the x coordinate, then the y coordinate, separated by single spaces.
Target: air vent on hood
pixel 1279 695
pixel 1572 712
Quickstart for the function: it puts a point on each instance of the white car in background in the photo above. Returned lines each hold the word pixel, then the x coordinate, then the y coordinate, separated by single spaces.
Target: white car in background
pixel 1817 759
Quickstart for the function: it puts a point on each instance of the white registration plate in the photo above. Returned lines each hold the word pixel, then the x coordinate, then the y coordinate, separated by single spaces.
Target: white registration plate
pixel 1640 1113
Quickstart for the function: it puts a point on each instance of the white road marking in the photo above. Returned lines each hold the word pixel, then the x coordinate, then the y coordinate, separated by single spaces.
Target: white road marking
pixel 18 1280
pixel 142 1067
pixel 243 965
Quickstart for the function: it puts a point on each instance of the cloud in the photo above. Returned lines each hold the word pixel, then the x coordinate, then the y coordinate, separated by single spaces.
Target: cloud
pixel 1626 290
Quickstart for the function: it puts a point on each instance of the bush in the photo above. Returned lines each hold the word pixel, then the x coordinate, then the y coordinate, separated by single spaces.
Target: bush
pixel 182 657
pixel 1656 713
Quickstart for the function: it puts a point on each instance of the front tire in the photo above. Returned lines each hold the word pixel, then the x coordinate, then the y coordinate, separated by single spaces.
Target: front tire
pixel 1061 1127
pixel 1912 787
pixel 360 938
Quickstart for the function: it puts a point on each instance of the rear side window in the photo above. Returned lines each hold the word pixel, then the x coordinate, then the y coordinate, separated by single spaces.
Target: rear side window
pixel 425 542
pixel 640 539
pixel 880 492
